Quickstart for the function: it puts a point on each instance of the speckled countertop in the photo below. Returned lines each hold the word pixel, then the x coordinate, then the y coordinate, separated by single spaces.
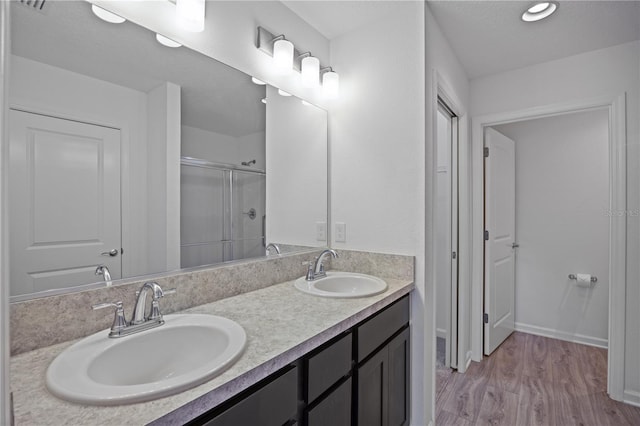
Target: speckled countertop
pixel 281 323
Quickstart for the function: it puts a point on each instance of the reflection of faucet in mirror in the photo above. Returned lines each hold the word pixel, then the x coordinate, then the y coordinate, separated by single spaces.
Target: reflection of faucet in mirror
pixel 316 269
pixel 248 163
pixel 271 246
pixel 104 271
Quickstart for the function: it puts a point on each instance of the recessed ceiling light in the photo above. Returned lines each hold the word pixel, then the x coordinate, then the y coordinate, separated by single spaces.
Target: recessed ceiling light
pixel 256 81
pixel 167 41
pixel 539 11
pixel 105 15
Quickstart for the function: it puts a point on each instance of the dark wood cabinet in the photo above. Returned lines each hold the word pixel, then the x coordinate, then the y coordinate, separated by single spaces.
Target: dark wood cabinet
pixel 359 378
pixel 383 385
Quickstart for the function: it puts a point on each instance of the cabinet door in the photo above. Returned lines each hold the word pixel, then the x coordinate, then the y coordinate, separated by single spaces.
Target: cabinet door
pixel 334 410
pixel 373 391
pixel 274 404
pixel 398 367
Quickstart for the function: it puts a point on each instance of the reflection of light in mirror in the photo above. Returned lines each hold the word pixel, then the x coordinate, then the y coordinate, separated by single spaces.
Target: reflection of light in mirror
pixel 310 71
pixel 190 15
pixel 283 93
pixel 283 56
pixel 166 41
pixel 331 84
pixel 105 15
pixel 256 81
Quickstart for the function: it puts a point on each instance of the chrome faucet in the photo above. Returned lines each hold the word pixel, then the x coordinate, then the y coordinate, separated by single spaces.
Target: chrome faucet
pixel 316 268
pixel 154 313
pixel 121 327
pixel 104 271
pixel 270 246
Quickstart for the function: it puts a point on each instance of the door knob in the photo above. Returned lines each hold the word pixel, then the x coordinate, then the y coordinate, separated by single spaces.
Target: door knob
pixel 112 253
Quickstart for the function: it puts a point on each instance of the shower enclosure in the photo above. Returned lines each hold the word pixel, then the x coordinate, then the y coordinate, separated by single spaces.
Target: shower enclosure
pixel 222 212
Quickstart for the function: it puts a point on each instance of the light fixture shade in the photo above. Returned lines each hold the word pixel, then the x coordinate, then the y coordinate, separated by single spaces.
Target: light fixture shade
pixel 166 41
pixel 105 15
pixel 331 84
pixel 310 71
pixel 190 15
pixel 283 93
pixel 257 81
pixel 283 56
pixel 539 11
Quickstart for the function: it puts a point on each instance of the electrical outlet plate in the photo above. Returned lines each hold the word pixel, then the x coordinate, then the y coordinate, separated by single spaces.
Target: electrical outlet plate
pixel 321 231
pixel 341 232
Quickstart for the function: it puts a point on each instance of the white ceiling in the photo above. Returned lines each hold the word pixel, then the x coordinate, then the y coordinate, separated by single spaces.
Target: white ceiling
pixel 334 18
pixel 67 35
pixel 489 36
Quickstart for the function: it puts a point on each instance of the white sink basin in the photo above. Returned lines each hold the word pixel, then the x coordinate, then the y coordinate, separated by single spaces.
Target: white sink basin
pixel 342 285
pixel 185 351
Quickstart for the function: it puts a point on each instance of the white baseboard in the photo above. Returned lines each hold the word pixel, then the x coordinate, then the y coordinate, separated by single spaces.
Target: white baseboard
pixel 441 332
pixel 562 335
pixel 632 397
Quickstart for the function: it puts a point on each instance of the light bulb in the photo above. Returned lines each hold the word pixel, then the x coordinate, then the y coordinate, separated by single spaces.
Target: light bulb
pixel 105 15
pixel 283 56
pixel 167 41
pixel 331 84
pixel 190 15
pixel 310 71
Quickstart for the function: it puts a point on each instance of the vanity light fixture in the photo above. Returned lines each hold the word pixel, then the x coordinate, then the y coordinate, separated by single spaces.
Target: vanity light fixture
pixel 166 41
pixel 256 81
pixel 283 93
pixel 330 83
pixel 539 10
pixel 105 15
pixel 283 55
pixel 190 15
pixel 310 70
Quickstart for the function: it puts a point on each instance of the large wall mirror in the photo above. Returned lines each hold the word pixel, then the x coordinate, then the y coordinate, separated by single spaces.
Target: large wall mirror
pixel 139 158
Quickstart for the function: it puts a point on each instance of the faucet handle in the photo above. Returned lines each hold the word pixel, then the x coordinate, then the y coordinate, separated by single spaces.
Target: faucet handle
pixel 119 320
pixel 155 314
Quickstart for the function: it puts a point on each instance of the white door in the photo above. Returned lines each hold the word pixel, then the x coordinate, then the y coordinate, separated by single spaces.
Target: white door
pixel 499 247
pixel 64 202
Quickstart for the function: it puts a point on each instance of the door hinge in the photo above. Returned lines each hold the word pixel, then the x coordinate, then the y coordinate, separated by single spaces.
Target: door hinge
pixel 486 235
pixel 486 151
pixel 454 255
pixel 486 318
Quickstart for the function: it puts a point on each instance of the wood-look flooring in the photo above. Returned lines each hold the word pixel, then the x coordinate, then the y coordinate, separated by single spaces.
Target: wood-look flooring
pixel 532 380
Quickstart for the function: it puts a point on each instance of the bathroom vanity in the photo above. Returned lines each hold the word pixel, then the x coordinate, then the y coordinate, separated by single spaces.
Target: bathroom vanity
pixel 308 359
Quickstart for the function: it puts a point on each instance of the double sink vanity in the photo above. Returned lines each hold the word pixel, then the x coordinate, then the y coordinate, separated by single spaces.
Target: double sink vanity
pixel 329 350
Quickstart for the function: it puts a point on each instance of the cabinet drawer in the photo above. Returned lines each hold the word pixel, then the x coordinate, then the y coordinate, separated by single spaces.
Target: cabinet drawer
pixel 327 366
pixel 334 410
pixel 376 330
pixel 274 404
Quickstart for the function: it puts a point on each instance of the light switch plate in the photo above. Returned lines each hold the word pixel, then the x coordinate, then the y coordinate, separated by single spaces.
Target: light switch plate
pixel 321 231
pixel 341 232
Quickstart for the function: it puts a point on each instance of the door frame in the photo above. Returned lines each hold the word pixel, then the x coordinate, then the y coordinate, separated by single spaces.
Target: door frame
pixel 443 90
pixel 616 107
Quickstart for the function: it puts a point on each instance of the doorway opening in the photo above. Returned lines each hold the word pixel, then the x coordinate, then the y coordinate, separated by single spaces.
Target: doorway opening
pixel 446 230
pixel 614 217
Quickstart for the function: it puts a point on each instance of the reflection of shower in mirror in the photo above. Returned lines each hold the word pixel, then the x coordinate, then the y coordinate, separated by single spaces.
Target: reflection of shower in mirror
pixel 248 163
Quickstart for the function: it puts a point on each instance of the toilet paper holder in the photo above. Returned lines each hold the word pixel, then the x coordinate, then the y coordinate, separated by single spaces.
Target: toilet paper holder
pixel 574 277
